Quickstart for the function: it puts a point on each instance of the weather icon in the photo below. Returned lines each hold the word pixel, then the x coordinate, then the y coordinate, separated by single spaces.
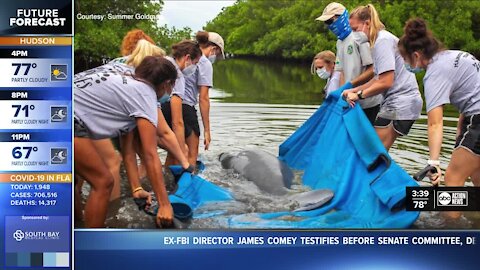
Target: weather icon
pixel 58 113
pixel 58 155
pixel 58 72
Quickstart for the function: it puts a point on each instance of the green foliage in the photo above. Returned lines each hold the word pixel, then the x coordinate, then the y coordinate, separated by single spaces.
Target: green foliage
pixel 287 29
pixel 96 40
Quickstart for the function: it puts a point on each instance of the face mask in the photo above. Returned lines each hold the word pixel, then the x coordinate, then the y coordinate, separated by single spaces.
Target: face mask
pixel 164 98
pixel 361 37
pixel 188 71
pixel 212 58
pixel 415 69
pixel 341 27
pixel 323 73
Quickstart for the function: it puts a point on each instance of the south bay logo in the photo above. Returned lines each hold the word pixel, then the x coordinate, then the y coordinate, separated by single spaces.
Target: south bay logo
pixel 20 235
pixel 452 198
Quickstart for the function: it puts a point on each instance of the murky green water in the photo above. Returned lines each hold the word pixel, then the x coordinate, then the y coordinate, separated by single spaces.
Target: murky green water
pixel 258 104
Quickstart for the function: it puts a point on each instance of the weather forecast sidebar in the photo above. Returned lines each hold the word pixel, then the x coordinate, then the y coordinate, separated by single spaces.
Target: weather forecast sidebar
pixel 36 134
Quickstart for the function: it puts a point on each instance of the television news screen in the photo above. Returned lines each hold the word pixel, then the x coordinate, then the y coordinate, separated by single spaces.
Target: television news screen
pixel 239 134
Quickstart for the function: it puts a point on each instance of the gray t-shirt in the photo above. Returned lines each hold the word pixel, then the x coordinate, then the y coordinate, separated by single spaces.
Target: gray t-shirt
pixel 179 88
pixel 109 101
pixel 203 76
pixel 453 77
pixel 112 66
pixel 402 101
pixel 353 57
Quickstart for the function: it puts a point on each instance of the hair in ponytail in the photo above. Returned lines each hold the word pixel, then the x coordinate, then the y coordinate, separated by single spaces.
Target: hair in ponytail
pixel 369 13
pixel 417 37
pixel 185 47
pixel 143 49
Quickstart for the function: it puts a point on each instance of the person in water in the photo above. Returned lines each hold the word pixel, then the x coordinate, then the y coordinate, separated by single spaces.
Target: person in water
pixel 114 104
pixel 452 77
pixel 197 86
pixel 402 102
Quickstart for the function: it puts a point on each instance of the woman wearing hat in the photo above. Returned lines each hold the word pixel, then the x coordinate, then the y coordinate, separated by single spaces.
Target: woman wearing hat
pixel 197 86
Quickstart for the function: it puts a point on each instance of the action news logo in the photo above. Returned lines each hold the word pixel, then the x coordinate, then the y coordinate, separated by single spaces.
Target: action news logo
pixel 452 198
pixel 20 235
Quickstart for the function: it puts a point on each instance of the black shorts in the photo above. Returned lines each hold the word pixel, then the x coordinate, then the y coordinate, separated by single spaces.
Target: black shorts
pixel 371 113
pixel 79 129
pixel 469 137
pixel 402 127
pixel 190 119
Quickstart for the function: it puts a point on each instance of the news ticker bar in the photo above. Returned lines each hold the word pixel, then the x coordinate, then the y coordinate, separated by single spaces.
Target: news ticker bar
pixel 443 199
pixel 161 239
pixel 254 249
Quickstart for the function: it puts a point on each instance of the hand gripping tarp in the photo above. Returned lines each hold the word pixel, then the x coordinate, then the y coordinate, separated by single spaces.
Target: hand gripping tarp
pixel 193 192
pixel 344 155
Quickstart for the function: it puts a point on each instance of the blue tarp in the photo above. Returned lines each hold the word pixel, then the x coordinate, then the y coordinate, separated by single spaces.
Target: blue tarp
pixel 193 192
pixel 339 150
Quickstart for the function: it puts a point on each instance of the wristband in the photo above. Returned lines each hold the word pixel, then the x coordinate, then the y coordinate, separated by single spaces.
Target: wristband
pixel 137 189
pixel 433 162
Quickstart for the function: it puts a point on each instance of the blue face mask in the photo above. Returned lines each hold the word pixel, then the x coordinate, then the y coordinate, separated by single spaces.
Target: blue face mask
pixel 212 58
pixel 415 69
pixel 341 27
pixel 164 98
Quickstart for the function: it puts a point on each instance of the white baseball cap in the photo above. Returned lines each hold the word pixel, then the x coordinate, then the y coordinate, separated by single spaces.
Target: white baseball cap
pixel 218 40
pixel 331 10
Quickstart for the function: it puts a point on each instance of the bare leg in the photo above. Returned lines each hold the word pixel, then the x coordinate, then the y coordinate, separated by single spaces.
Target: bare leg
pixel 113 160
pixel 387 135
pixel 476 178
pixel 462 165
pixel 192 143
pixel 90 165
pixel 78 207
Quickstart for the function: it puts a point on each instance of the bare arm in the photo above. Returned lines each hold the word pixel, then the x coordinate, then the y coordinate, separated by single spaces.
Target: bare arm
pixel 384 82
pixel 372 88
pixel 129 155
pixel 435 132
pixel 148 138
pixel 167 138
pixel 205 112
pixel 363 78
pixel 342 78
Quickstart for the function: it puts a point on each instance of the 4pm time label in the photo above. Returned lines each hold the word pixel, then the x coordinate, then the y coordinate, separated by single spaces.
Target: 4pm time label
pixel 35 73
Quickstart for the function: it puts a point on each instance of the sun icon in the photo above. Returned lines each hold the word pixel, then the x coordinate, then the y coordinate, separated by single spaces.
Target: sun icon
pixel 56 72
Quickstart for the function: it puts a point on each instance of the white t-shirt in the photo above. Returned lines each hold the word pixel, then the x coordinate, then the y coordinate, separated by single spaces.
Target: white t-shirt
pixel 402 101
pixel 203 76
pixel 353 57
pixel 108 102
pixel 333 83
pixel 453 77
